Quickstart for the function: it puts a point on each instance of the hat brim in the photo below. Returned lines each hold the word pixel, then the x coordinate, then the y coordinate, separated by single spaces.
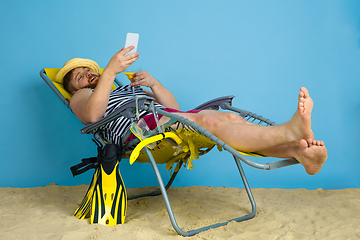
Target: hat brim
pixel 75 63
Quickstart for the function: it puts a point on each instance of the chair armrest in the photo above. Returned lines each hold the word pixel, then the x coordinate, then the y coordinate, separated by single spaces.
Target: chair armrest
pixel 127 110
pixel 216 103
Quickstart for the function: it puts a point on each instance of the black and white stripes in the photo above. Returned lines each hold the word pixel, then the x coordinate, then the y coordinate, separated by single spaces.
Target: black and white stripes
pixel 114 130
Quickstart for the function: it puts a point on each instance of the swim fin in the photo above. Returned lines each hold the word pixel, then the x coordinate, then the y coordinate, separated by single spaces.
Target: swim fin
pixel 105 201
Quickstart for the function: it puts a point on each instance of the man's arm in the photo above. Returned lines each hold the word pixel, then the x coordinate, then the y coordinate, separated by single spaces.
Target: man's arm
pixel 161 94
pixel 89 106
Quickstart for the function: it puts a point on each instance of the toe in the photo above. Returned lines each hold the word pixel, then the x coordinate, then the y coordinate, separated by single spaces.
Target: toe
pixel 303 144
pixel 305 92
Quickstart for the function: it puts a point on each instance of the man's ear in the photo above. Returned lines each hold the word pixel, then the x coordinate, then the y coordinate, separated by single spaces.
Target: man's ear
pixel 73 93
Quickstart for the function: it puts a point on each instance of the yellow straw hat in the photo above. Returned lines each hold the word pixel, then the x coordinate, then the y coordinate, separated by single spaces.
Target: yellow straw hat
pixel 75 63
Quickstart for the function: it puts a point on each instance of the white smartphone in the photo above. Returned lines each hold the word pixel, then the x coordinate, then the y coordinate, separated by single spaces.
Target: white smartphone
pixel 132 39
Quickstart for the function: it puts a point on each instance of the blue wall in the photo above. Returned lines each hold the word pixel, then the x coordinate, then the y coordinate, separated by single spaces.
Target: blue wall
pixel 260 51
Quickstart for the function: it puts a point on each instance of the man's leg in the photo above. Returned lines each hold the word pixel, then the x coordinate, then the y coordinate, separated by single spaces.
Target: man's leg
pixel 291 139
pixel 252 137
pixel 311 153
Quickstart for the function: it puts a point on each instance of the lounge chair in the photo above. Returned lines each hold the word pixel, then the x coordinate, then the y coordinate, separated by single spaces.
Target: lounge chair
pixel 178 142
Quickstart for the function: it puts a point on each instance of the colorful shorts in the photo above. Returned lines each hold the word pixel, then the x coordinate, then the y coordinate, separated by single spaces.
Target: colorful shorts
pixel 150 120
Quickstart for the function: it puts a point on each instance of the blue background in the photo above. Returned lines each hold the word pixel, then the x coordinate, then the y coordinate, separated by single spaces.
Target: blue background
pixel 260 51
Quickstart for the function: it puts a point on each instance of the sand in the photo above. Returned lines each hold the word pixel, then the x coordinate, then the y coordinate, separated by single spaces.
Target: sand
pixel 47 213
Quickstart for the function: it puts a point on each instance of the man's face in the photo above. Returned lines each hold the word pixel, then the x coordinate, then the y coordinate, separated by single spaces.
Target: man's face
pixel 84 77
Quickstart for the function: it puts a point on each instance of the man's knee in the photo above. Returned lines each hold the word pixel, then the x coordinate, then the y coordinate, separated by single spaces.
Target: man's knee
pixel 234 118
pixel 209 121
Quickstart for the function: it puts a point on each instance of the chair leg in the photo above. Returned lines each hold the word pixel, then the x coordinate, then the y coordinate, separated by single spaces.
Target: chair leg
pixel 163 191
pixel 196 231
pixel 248 191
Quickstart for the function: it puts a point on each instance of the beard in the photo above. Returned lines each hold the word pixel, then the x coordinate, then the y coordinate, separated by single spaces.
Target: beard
pixel 93 83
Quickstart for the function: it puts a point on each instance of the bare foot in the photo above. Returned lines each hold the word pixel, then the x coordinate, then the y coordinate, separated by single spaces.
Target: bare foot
pixel 312 155
pixel 300 124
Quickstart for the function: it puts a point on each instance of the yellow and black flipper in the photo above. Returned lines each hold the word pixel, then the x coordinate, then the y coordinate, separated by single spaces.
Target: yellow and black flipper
pixel 105 201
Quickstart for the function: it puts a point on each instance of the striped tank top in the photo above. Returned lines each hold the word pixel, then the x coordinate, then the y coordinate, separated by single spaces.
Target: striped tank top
pixel 116 129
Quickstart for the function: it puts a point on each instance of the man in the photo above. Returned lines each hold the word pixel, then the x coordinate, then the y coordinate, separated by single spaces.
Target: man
pixel 93 99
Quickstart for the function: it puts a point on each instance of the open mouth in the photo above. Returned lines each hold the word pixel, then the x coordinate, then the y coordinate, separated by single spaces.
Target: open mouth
pixel 93 78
